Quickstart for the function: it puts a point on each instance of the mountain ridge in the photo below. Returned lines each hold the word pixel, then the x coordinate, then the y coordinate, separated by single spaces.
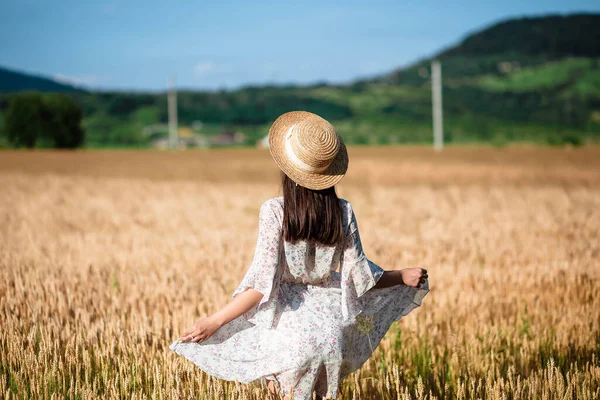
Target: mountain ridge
pixel 557 35
pixel 549 38
pixel 12 80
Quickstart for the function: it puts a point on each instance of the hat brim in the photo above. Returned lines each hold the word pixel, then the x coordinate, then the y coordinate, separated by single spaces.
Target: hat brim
pixel 312 180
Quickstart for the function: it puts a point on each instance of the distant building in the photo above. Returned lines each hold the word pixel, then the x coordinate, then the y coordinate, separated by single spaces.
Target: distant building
pixel 185 132
pixel 155 129
pixel 194 141
pixel 228 139
pixel 189 139
pixel 263 143
pixel 185 142
pixel 161 143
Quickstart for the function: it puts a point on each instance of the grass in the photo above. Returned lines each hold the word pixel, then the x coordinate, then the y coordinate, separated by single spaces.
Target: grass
pixel 106 256
pixel 588 85
pixel 544 77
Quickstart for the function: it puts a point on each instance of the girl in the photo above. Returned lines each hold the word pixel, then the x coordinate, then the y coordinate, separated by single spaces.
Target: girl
pixel 311 308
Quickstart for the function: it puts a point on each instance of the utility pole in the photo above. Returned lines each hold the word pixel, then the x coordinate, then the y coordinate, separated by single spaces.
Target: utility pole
pixel 436 92
pixel 172 106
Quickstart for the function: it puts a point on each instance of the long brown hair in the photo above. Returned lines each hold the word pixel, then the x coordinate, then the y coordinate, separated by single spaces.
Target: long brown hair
pixel 311 214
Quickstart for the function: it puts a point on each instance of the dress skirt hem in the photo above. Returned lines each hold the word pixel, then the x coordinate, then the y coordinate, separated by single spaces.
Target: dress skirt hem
pixel 274 355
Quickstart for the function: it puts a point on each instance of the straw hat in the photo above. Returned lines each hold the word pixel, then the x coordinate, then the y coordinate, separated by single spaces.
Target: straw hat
pixel 308 150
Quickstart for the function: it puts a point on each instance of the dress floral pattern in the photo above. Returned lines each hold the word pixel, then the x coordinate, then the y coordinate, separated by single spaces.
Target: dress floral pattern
pixel 315 324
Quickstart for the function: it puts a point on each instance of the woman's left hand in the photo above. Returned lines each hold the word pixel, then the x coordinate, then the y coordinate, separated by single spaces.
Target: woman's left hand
pixel 202 330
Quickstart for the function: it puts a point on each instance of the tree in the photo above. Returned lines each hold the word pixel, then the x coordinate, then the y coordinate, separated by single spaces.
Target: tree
pixel 25 119
pixel 55 119
pixel 64 123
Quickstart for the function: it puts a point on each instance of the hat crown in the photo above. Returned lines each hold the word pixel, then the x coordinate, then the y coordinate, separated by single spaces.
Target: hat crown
pixel 308 149
pixel 314 143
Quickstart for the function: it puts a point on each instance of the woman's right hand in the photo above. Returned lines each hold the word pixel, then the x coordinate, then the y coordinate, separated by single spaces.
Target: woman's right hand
pixel 413 277
pixel 202 330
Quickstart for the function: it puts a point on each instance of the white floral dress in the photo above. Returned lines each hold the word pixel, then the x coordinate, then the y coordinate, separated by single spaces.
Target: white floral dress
pixel 314 325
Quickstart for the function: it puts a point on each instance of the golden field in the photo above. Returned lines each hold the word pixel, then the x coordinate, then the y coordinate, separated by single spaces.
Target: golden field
pixel 105 257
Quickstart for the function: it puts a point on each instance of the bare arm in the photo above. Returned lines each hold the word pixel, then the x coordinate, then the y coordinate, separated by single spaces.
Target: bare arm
pixel 205 327
pixel 389 278
pixel 414 277
pixel 239 305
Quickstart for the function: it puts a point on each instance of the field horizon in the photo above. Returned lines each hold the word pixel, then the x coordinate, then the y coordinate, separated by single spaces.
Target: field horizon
pixel 411 164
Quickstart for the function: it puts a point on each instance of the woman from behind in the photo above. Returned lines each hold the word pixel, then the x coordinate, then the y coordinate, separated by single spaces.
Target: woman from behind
pixel 311 308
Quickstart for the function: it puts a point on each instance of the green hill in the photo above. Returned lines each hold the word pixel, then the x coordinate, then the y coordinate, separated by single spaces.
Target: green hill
pixel 555 36
pixel 523 42
pixel 14 81
pixel 527 79
pixel 521 79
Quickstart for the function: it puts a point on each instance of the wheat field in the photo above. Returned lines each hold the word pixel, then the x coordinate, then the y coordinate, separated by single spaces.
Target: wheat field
pixel 105 257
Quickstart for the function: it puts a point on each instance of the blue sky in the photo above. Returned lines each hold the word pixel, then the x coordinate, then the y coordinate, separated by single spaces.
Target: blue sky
pixel 137 45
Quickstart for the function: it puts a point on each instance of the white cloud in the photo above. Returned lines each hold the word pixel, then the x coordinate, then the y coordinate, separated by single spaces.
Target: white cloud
pixel 204 68
pixel 78 80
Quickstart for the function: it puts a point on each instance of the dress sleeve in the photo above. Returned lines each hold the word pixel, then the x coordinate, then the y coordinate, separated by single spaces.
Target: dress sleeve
pixel 358 274
pixel 264 274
